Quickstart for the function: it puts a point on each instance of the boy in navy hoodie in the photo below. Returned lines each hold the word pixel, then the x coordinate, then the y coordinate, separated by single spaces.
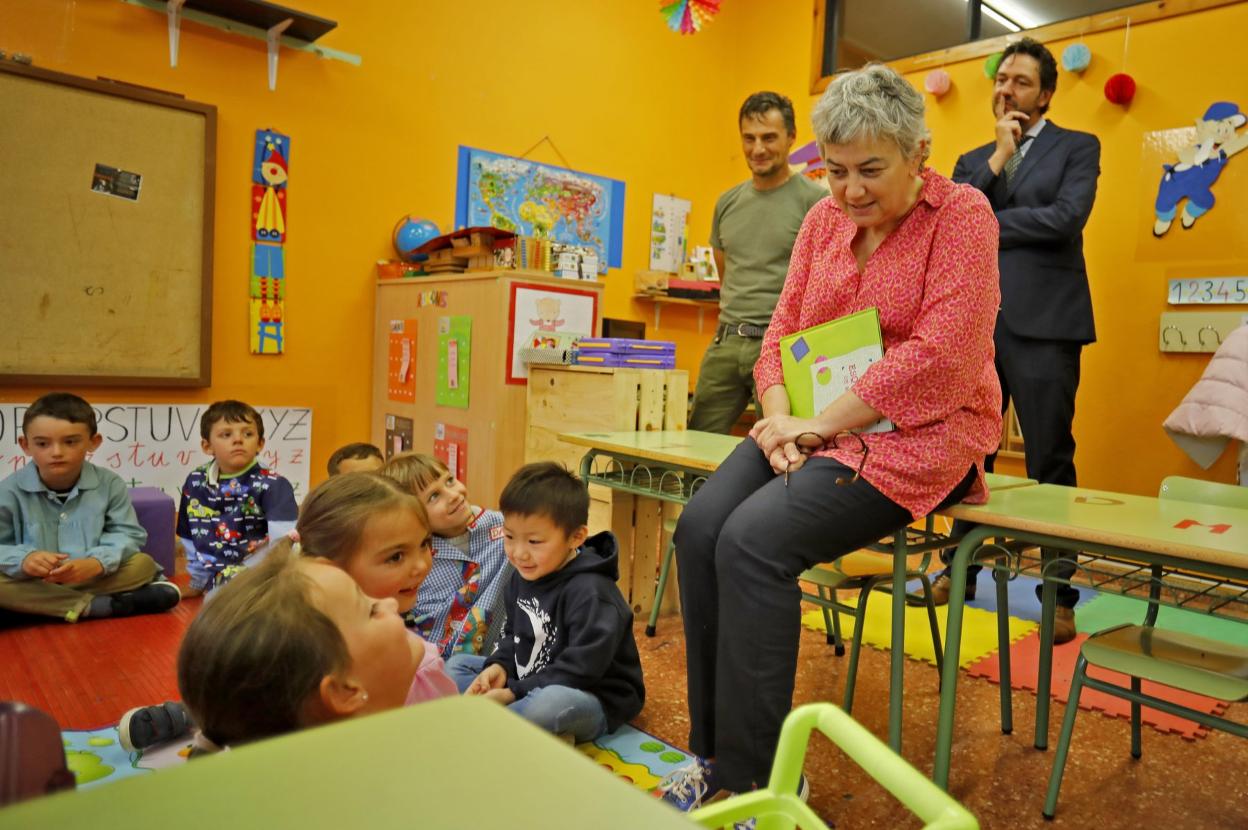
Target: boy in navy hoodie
pixel 566 660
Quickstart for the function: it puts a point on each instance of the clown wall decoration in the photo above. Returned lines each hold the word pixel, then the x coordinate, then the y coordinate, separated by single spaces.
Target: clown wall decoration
pixel 267 303
pixel 1190 180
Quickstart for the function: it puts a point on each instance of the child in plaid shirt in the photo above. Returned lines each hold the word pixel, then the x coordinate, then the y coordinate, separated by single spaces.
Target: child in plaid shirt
pixel 459 605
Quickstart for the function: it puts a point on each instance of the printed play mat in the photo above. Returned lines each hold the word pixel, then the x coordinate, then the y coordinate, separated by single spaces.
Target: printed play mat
pixel 96 756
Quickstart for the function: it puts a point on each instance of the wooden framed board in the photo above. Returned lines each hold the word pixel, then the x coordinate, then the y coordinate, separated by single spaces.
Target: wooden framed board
pixel 106 219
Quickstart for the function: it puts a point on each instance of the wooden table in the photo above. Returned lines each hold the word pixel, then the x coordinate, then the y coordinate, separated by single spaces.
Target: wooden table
pixel 1170 534
pixel 456 762
pixel 672 465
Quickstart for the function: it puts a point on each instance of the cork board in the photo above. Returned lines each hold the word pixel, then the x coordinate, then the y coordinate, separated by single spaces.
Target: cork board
pixel 106 207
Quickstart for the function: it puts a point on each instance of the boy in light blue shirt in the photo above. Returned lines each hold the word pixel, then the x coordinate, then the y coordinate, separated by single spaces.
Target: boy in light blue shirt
pixel 69 538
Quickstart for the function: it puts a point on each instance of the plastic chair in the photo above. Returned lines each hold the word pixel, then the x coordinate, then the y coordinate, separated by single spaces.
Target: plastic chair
pixel 777 807
pixel 865 572
pixel 1143 652
pixel 32 755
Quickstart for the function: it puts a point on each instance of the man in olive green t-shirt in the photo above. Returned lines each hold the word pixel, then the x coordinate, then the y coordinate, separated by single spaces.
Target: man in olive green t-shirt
pixel 752 233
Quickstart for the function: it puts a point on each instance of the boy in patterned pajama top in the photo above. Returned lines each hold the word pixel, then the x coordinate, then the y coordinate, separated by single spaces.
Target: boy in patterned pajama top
pixel 232 505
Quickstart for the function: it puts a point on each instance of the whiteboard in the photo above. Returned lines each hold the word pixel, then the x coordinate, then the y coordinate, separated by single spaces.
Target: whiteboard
pixel 157 445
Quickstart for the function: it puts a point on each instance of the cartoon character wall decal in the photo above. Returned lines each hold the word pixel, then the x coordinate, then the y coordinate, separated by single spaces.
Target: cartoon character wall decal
pixel 1190 180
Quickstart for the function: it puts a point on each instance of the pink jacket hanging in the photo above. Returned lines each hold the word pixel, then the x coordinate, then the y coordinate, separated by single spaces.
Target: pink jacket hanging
pixel 1215 410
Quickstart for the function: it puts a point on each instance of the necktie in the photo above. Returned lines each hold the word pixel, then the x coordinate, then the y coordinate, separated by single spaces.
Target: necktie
pixel 1015 160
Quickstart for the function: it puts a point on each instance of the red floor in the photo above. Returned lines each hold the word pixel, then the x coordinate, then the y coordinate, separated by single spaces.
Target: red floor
pixel 85 675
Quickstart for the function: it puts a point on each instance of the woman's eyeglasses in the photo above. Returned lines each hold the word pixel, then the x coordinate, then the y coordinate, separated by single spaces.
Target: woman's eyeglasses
pixel 846 441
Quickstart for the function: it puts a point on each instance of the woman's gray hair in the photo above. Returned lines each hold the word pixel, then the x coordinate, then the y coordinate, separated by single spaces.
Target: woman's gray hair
pixel 873 102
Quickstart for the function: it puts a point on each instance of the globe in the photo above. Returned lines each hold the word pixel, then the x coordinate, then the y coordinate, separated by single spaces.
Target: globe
pixel 410 233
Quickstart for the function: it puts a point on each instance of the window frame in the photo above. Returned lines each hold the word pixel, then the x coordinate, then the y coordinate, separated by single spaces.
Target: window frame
pixel 1075 27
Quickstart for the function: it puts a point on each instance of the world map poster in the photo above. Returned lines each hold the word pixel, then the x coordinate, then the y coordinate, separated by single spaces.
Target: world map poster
pixel 534 199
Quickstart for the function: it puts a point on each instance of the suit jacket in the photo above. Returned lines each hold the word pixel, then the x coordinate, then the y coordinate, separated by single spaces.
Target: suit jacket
pixel 1044 282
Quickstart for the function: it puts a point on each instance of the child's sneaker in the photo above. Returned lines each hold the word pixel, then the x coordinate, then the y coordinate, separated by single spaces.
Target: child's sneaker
pixel 685 787
pixel 152 598
pixel 148 726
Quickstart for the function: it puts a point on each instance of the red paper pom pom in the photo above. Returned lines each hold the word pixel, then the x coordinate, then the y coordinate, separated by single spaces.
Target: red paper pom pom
pixel 1120 88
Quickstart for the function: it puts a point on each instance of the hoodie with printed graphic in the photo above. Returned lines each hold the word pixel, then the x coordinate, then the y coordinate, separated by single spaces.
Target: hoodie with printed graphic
pixel 573 628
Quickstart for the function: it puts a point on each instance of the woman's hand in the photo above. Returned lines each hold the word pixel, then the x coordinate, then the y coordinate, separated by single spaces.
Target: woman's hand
pixel 795 436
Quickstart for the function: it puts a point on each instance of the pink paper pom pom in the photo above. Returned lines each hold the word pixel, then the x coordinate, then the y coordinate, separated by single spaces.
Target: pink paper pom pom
pixel 937 82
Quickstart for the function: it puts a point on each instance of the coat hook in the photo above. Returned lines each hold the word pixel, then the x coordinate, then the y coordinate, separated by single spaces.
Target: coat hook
pixel 1176 330
pixel 1200 335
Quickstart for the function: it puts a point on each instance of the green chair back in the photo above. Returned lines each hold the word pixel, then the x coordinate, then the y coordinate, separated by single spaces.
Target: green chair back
pixel 777 807
pixel 1204 492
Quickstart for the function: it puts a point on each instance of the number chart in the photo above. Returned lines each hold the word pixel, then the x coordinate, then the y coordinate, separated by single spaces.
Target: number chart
pixel 1208 291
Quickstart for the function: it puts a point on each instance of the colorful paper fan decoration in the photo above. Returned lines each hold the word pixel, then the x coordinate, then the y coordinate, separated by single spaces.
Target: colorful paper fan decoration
pixel 937 82
pixel 688 16
pixel 1076 57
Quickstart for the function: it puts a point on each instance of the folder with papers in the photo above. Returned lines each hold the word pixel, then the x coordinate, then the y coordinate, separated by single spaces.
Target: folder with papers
pixel 822 362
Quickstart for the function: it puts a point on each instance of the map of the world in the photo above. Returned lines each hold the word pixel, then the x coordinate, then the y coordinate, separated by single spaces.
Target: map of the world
pixel 534 199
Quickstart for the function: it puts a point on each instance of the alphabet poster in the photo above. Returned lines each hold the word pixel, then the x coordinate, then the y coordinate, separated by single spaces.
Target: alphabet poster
pixel 157 445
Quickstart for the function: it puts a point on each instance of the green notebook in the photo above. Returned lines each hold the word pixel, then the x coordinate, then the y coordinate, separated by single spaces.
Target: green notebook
pixel 822 362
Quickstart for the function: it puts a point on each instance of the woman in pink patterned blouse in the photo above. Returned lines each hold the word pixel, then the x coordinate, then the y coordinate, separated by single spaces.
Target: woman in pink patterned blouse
pixel 923 251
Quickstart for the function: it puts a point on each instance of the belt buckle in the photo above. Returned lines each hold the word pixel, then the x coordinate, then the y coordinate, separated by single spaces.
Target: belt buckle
pixel 741 330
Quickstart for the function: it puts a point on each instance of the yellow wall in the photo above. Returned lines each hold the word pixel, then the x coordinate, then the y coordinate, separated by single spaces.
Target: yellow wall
pixel 618 94
pixel 622 97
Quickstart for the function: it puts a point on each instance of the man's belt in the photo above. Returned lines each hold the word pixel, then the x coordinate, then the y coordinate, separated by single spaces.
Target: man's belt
pixel 742 330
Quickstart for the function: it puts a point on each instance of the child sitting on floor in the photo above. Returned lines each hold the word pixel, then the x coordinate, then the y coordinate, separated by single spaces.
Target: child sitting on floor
pixel 567 660
pixel 69 538
pixel 376 534
pixel 232 505
pixel 460 605
pixel 355 458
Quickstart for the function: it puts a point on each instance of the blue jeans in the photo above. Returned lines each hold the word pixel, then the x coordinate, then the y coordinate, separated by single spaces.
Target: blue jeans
pixel 561 710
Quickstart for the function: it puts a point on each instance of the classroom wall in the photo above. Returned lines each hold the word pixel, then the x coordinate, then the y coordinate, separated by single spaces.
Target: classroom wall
pixel 616 92
pixel 620 96
pixel 1181 65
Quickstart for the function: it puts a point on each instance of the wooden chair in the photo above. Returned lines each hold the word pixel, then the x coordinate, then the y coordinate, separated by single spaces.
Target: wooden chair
pixel 1144 652
pixel 777 807
pixel 32 755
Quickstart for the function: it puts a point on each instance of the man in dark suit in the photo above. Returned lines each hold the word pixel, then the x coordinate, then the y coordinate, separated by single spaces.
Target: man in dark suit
pixel 1041 181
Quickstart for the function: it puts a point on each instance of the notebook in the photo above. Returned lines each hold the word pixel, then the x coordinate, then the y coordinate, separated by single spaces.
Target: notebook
pixel 822 362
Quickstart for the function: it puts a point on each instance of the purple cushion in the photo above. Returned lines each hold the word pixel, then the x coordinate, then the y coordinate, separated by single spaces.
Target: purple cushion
pixel 157 514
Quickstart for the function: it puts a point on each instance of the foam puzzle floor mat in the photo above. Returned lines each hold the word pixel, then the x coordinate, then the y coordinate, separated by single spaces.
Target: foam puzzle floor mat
pixel 1020 594
pixel 96 757
pixel 1024 666
pixel 1109 610
pixel 979 628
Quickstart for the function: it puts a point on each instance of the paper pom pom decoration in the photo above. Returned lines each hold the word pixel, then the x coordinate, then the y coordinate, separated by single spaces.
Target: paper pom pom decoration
pixel 1120 88
pixel 1076 57
pixel 688 16
pixel 937 82
pixel 992 65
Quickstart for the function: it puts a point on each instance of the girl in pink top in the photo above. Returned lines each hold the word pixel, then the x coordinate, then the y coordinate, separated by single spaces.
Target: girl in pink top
pixel 314 633
pixel 923 251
